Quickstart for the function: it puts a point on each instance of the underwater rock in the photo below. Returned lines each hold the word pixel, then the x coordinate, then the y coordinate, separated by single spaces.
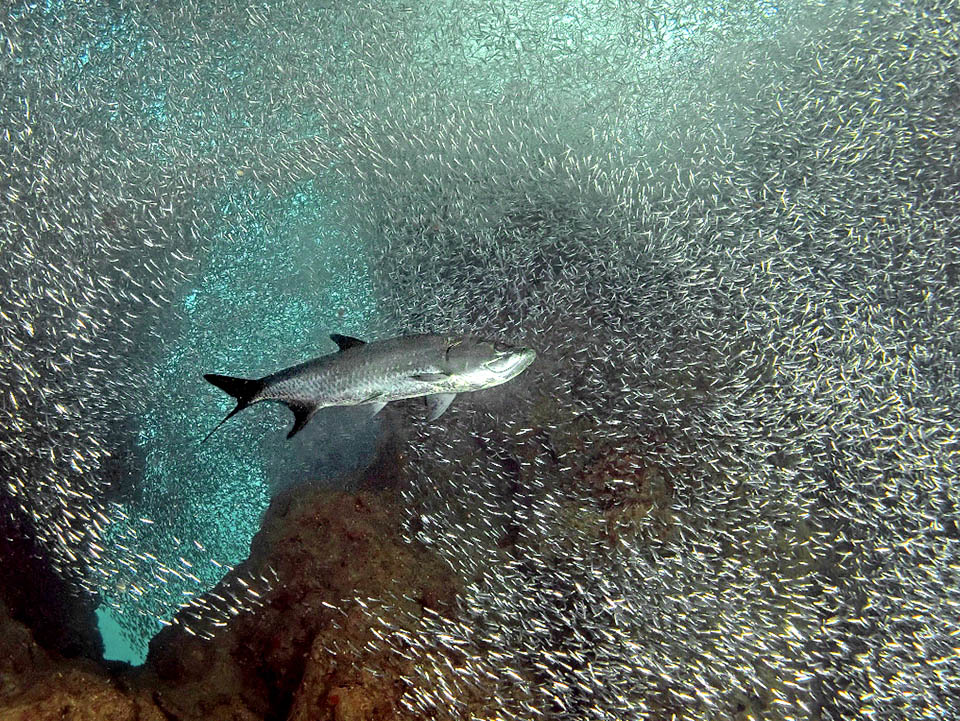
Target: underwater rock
pixel 36 685
pixel 303 651
pixel 62 620
pixel 632 492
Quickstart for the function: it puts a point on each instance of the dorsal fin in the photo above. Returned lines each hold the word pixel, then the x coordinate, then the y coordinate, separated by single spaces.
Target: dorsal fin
pixel 345 341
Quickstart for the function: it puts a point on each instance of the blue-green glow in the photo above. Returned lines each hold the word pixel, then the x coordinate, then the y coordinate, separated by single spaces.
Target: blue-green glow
pixel 278 279
pixel 116 646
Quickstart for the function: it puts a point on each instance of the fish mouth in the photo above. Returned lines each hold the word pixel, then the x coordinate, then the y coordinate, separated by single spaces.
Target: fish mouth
pixel 512 364
pixel 527 356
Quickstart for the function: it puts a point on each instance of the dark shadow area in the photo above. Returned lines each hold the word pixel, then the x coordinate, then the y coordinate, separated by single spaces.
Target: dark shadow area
pixel 61 619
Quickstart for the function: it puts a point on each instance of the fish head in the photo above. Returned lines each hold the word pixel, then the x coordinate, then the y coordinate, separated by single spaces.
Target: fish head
pixel 484 363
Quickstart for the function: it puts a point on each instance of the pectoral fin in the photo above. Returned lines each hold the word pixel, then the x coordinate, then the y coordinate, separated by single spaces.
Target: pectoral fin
pixel 438 403
pixel 375 407
pixel 430 377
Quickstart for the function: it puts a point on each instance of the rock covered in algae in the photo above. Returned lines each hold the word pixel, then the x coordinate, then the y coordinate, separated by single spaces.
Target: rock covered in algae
pixel 39 685
pixel 308 653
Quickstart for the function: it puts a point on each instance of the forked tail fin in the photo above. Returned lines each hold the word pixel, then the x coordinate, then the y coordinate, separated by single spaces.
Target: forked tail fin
pixel 243 389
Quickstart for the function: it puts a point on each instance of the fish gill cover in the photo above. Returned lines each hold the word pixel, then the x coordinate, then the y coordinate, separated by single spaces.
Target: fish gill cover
pixel 727 487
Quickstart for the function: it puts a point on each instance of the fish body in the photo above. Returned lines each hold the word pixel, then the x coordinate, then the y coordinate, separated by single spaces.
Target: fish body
pixel 373 374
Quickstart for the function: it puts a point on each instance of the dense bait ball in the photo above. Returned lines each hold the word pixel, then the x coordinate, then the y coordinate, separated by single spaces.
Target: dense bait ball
pixel 726 489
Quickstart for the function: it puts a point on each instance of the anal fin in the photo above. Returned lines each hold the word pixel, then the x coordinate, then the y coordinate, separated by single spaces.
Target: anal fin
pixel 302 415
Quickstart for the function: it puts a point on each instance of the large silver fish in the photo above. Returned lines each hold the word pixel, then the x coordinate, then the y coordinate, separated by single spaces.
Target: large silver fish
pixel 375 373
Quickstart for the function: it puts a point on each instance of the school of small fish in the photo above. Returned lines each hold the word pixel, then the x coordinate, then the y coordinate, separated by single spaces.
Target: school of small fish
pixel 726 489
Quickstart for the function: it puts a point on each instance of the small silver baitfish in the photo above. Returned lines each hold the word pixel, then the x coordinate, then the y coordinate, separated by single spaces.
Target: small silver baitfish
pixel 375 373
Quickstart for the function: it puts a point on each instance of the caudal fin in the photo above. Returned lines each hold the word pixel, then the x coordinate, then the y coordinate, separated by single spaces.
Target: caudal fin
pixel 243 389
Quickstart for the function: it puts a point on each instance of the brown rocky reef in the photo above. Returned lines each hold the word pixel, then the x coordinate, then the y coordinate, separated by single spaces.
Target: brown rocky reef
pixel 305 654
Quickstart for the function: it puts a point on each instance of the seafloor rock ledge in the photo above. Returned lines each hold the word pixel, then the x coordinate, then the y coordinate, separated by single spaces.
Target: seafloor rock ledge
pixel 275 662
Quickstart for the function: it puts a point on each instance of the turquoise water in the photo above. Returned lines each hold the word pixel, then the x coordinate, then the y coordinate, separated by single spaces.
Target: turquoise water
pixel 285 276
pixel 116 643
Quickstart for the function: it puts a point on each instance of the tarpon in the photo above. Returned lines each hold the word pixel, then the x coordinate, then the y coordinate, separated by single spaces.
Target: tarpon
pixel 373 374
